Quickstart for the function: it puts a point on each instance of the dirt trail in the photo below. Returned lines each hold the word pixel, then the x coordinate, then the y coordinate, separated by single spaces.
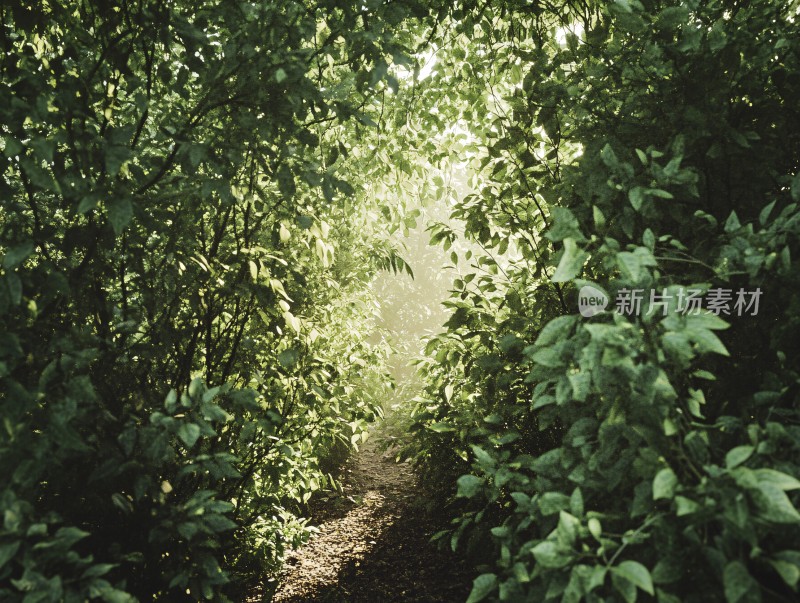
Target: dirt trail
pixel 373 543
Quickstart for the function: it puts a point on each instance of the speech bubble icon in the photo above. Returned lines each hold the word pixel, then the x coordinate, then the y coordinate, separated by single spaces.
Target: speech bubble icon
pixel 591 301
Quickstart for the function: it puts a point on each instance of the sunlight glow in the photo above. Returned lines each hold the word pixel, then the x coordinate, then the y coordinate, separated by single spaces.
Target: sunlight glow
pixel 428 63
pixel 562 32
pixel 426 59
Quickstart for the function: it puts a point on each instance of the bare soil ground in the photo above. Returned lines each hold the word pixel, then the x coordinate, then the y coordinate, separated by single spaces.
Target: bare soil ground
pixel 373 543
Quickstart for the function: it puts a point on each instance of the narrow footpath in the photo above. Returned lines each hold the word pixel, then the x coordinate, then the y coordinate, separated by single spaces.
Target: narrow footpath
pixel 373 543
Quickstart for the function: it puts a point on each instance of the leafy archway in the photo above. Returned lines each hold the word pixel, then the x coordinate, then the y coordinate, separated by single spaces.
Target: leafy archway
pixel 198 197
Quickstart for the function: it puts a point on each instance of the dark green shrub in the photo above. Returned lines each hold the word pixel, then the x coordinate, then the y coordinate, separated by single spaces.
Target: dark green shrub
pixel 184 272
pixel 622 456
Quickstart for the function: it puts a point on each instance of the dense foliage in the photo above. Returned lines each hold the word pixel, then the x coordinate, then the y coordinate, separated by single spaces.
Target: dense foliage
pixel 631 145
pixel 184 292
pixel 197 198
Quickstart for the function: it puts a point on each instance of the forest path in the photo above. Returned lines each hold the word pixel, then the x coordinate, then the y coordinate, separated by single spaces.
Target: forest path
pixel 373 544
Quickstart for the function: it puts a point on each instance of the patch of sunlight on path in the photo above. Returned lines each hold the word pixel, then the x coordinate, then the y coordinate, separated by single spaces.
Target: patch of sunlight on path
pixel 373 544
pixel 379 487
pixel 340 543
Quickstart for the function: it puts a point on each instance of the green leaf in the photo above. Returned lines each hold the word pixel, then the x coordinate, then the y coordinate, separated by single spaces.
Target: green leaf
pixel 609 157
pixel 737 456
pixel 189 433
pixel 37 529
pixel 14 285
pixel 550 554
pixel 564 225
pixel 7 552
pixel 120 212
pixel 732 223
pixel 288 358
pixel 635 573
pixel 595 527
pixel 596 578
pixel 664 484
pixel 633 264
pixel 116 155
pixel 122 503
pixel 789 570
pixel 88 203
pixel 763 216
pixel 774 505
pixel 547 357
pixel 484 458
pixel 98 570
pixel 739 584
pixel 509 342
pixel 378 72
pixel 39 176
pixel 70 535
pixel 553 502
pixel 469 486
pixel 482 587
pixel 493 419
pixel 706 341
pixel 649 239
pixel 706 320
pixel 109 594
pixel 780 480
pixel 636 197
pixel 280 75
pixel 16 255
pixel 196 388
pixel 218 523
pixel 623 6
pixel 571 262
pixel 576 502
pixel 197 153
pixel 624 587
pixel 581 385
pixel 599 218
pixel 567 528
pixel 659 192
pixel 286 183
pixel 188 529
pixel 521 573
pixel 667 570
pixel 171 401
pixel 685 506
pixel 12 148
pixel 556 329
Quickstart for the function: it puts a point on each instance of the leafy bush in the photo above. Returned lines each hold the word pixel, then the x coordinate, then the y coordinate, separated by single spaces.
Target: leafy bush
pixel 184 295
pixel 624 455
